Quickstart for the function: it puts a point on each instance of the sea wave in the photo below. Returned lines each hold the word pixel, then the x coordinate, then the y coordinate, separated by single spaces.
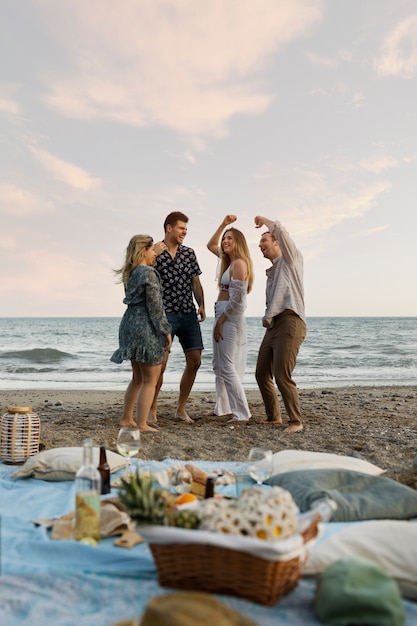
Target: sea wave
pixel 38 355
pixel 74 353
pixel 14 369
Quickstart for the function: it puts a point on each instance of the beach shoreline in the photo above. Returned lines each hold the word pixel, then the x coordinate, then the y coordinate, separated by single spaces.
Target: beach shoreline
pixel 375 423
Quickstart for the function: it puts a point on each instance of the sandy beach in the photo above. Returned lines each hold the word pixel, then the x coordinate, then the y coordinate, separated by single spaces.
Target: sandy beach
pixel 378 424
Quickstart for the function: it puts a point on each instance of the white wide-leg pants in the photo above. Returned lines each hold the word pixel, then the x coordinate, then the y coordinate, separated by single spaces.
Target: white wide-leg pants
pixel 229 363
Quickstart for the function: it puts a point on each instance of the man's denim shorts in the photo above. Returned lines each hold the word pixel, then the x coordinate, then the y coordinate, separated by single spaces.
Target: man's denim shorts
pixel 187 328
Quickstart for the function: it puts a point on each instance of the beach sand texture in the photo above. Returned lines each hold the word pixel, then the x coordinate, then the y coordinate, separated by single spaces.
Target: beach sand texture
pixel 378 424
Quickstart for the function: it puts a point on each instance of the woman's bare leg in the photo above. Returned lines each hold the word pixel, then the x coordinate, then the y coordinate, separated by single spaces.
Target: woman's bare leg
pixel 149 375
pixel 131 395
pixel 152 417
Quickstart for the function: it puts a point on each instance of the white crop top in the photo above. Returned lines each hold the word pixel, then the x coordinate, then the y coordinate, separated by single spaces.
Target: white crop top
pixel 225 282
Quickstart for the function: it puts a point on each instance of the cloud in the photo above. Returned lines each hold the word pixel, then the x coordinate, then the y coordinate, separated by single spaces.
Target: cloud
pixel 320 60
pixel 314 201
pixel 357 100
pixel 7 242
pixel 40 272
pixel 377 229
pixel 20 202
pixel 345 55
pixel 337 89
pixel 329 62
pixel 364 199
pixel 379 164
pixel 186 157
pixel 8 104
pixel 171 197
pixel 66 172
pixel 398 55
pixel 332 207
pixel 77 284
pixel 49 272
pixel 189 66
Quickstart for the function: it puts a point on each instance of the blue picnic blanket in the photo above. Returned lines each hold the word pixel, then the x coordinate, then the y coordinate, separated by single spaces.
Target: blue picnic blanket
pixel 49 582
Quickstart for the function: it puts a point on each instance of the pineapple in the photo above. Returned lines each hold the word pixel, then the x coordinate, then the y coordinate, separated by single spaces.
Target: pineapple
pixel 145 504
pixel 184 518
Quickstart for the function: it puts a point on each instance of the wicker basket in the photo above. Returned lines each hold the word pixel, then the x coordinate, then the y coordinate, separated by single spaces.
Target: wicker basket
pixel 217 569
pixel 19 434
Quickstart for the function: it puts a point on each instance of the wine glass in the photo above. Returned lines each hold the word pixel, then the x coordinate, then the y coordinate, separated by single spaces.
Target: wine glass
pixel 260 464
pixel 128 444
pixel 183 480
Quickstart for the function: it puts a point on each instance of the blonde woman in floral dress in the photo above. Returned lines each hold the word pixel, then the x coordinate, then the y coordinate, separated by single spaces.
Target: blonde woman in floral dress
pixel 144 332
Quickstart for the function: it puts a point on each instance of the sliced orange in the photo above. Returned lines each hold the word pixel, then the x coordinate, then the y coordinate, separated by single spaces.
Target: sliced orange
pixel 185 497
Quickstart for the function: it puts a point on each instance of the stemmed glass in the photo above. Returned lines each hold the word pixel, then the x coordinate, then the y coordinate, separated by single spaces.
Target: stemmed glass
pixel 260 464
pixel 183 483
pixel 128 444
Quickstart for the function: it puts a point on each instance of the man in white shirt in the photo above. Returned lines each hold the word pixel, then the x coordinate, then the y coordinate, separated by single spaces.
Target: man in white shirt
pixel 285 324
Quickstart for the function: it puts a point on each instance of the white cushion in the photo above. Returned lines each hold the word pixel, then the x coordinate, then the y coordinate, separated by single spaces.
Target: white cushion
pixel 389 543
pixel 63 463
pixel 289 460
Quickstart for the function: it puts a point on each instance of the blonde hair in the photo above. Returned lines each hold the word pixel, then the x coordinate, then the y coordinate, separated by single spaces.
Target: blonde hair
pixel 135 252
pixel 241 250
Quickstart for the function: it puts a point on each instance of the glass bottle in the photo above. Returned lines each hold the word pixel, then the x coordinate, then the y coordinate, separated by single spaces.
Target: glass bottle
pixel 209 491
pixel 104 469
pixel 87 498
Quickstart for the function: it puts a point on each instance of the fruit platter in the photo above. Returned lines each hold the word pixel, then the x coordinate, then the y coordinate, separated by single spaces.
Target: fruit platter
pixel 251 546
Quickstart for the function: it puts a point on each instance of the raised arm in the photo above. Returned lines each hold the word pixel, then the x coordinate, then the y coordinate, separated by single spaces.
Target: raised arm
pixel 286 243
pixel 262 221
pixel 213 243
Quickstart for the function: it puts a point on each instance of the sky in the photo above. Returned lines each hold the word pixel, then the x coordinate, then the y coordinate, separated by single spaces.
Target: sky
pixel 115 113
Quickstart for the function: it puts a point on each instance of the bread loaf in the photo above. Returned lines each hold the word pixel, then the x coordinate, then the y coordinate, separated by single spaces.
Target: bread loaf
pixel 198 480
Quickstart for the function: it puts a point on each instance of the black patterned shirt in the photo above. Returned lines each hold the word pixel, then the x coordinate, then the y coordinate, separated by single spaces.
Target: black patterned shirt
pixel 177 275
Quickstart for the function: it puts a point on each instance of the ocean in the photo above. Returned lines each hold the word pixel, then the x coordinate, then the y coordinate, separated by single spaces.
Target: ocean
pixel 74 353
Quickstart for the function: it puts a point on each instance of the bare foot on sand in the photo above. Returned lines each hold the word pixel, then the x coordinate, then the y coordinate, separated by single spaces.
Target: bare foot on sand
pixel 184 417
pixel 279 422
pixel 148 429
pixel 128 424
pixel 294 428
pixel 152 419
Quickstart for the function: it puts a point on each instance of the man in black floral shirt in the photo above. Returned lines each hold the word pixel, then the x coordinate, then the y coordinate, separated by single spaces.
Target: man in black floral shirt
pixel 179 270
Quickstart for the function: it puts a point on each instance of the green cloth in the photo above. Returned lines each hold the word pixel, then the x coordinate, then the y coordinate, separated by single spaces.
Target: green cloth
pixel 357 591
pixel 358 496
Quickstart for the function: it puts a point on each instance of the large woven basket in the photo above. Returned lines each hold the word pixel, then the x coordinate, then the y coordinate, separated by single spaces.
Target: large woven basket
pixel 222 570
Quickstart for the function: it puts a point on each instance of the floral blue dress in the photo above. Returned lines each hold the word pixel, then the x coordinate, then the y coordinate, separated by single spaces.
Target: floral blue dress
pixel 144 324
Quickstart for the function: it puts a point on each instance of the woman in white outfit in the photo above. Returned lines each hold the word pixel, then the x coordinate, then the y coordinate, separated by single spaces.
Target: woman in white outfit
pixel 229 334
